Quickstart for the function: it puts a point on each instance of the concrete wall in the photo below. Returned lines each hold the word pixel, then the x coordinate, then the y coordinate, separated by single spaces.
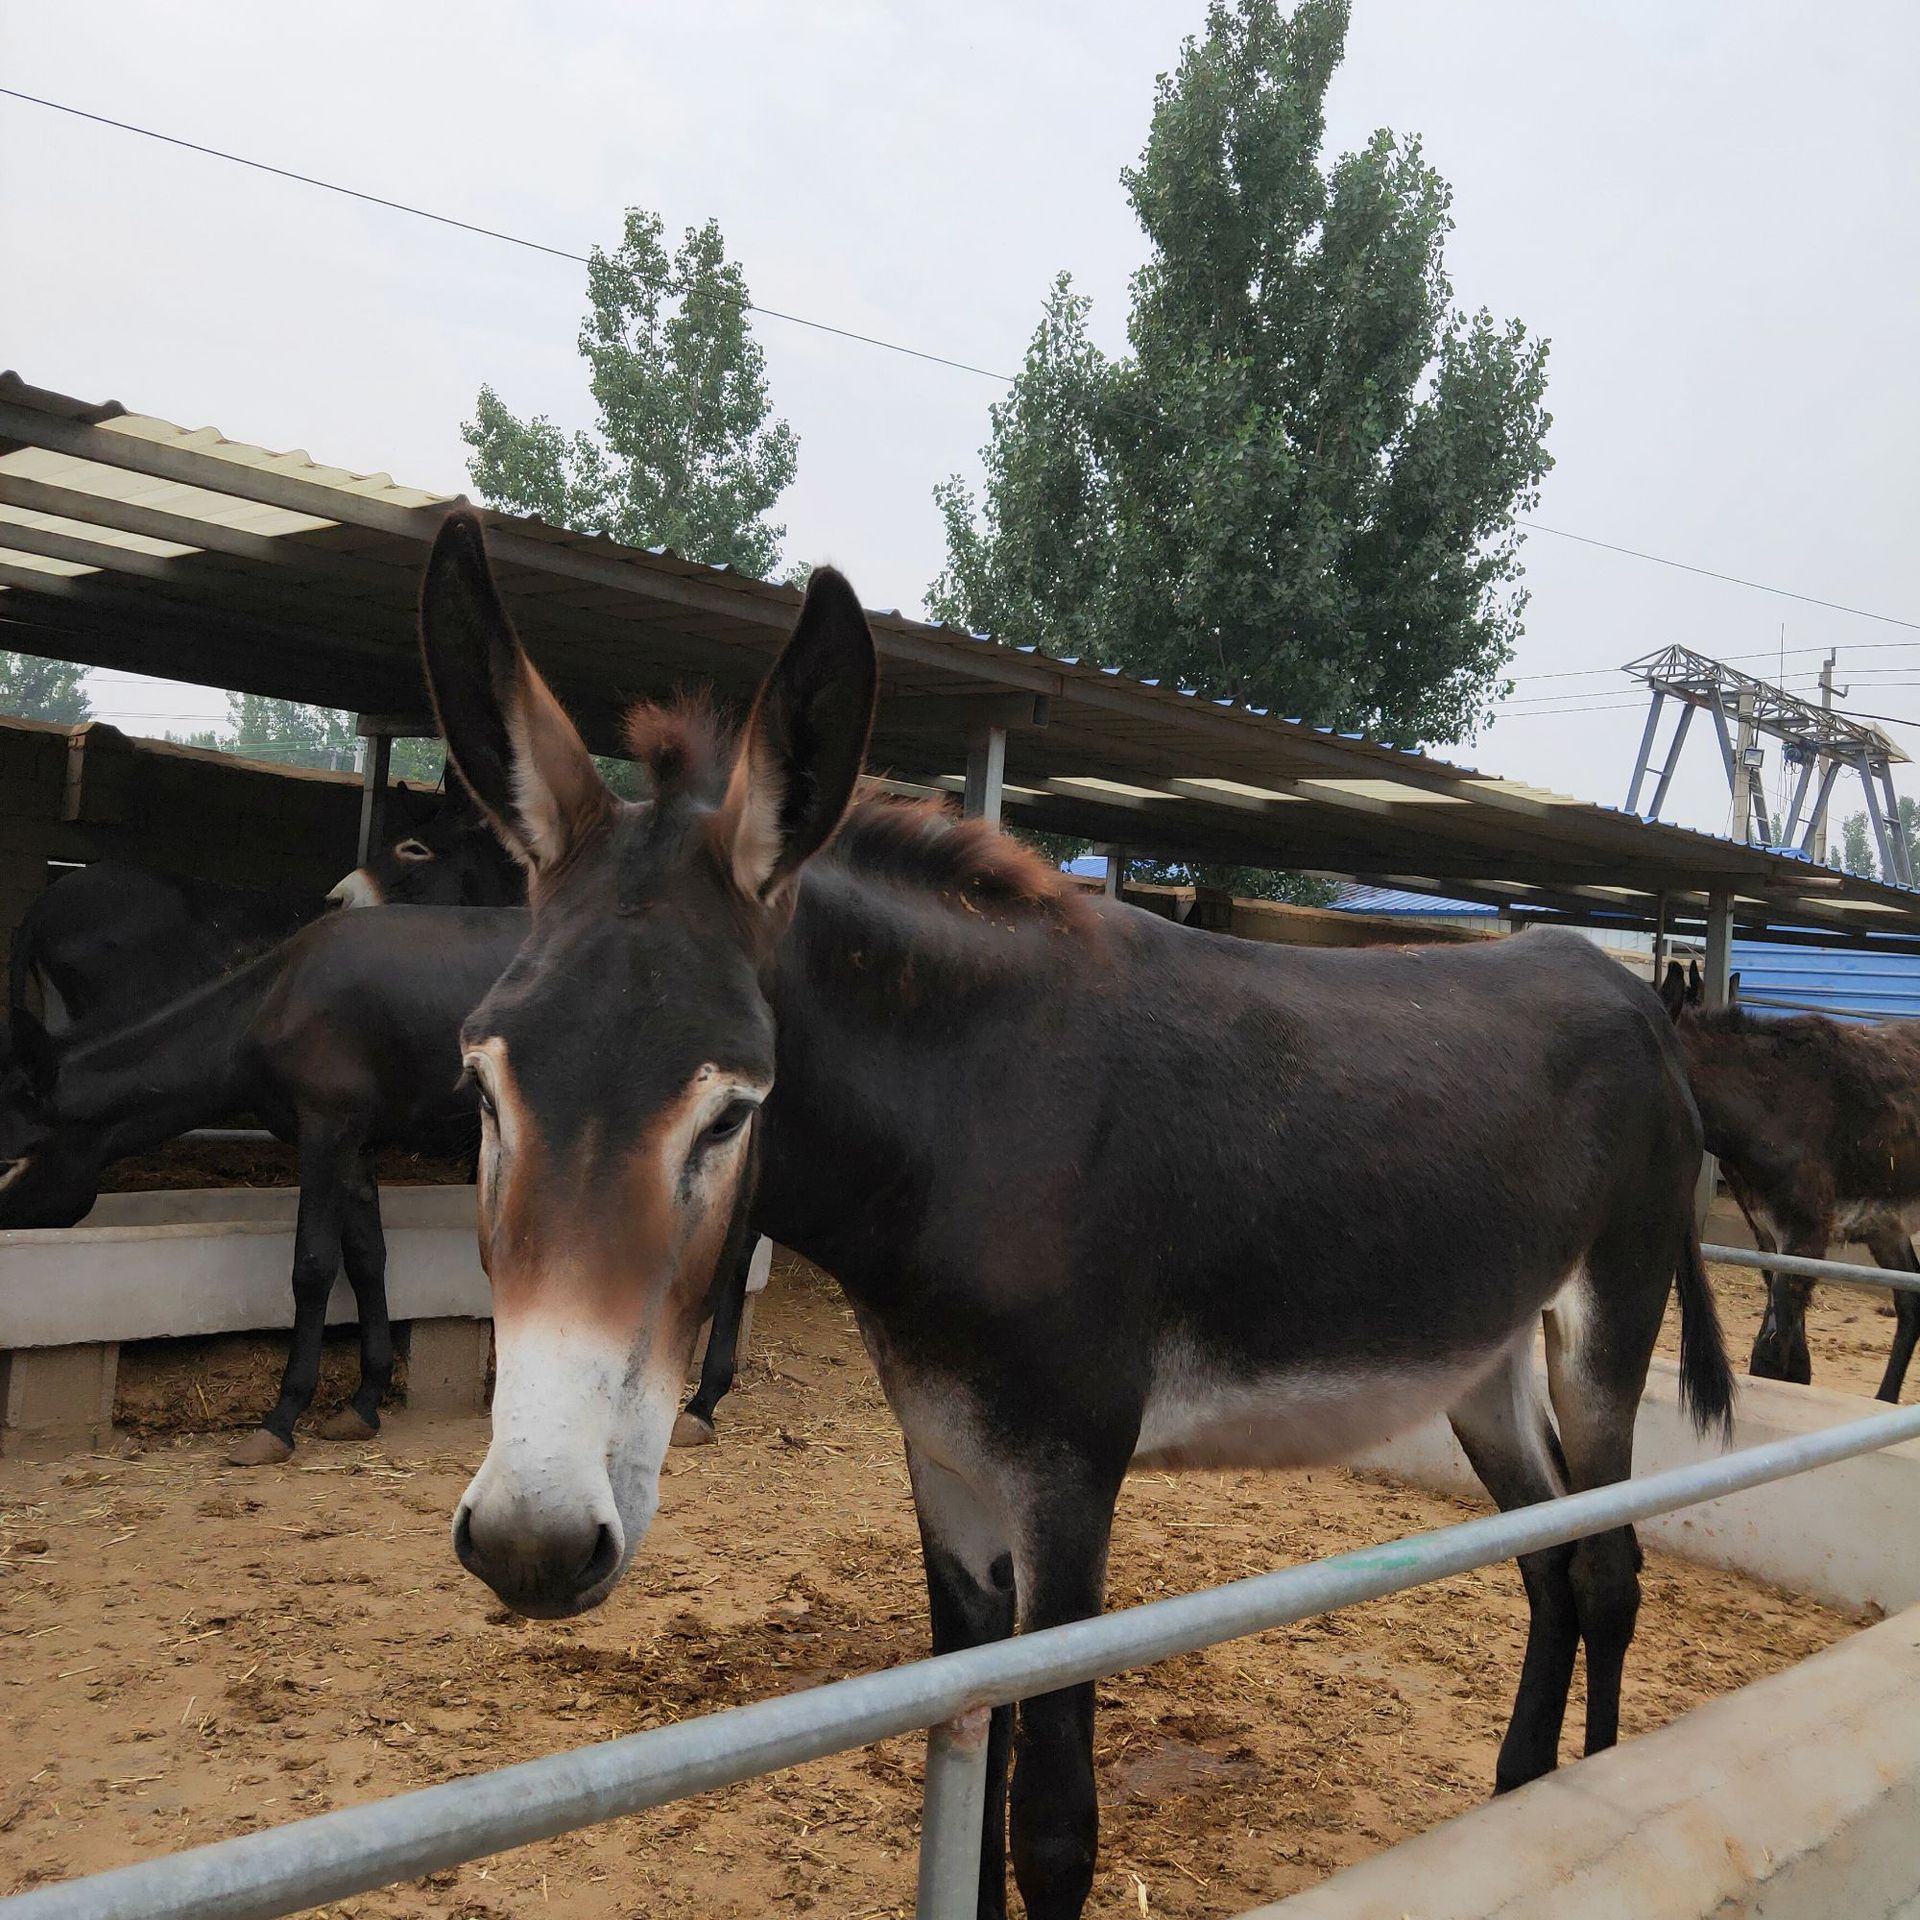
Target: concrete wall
pixel 147 1266
pixel 150 1266
pixel 1797 1798
pixel 1847 1534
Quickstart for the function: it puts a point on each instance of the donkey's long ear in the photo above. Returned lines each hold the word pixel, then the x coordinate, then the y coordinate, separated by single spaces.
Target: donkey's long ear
pixel 1696 985
pixel 805 742
pixel 508 737
pixel 1673 989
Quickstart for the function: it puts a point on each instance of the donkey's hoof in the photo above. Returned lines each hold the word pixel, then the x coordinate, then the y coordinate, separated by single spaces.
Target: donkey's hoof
pixel 689 1430
pixel 348 1424
pixel 260 1449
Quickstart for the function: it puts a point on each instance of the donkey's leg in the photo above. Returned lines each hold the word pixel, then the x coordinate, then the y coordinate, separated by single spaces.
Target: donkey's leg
pixel 694 1427
pixel 1597 1354
pixel 1780 1347
pixel 363 1244
pixel 1060 1574
pixel 316 1259
pixel 1503 1430
pixel 970 1597
pixel 1892 1248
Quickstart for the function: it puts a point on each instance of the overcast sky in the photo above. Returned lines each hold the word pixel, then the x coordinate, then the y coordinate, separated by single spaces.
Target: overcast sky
pixel 1713 210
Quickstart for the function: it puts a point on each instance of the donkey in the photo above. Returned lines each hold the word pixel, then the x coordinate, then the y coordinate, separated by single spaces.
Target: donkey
pixel 1088 1180
pixel 1817 1128
pixel 343 1040
pixel 112 942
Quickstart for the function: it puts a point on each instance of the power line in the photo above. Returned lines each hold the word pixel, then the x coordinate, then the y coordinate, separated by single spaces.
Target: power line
pixel 1732 579
pixel 844 333
pixel 470 226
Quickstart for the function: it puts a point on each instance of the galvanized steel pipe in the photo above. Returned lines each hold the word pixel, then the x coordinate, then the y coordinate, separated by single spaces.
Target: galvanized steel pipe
pixel 1839 1273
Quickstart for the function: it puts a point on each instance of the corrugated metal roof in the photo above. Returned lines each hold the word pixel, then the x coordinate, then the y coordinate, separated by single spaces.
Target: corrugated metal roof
pixel 126 541
pixel 1363 899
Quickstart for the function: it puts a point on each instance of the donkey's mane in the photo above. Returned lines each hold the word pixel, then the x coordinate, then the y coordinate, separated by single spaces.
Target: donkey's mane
pixel 926 843
pixel 684 743
pixel 688 746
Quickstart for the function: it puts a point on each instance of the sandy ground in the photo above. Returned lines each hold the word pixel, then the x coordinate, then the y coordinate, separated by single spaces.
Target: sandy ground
pixel 192 1651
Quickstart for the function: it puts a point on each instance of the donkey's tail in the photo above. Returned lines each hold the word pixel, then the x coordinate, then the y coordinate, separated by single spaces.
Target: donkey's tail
pixel 1706 1380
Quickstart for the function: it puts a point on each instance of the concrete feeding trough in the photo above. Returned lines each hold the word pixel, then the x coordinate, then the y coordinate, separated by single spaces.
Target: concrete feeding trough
pixel 145 1266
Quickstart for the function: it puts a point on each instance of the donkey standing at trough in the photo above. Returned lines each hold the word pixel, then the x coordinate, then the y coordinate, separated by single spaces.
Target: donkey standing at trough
pixel 1102 1191
pixel 1816 1125
pixel 112 942
pixel 343 1040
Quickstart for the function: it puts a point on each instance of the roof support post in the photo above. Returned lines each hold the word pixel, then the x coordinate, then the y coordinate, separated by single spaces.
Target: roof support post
pixel 1116 875
pixel 986 774
pixel 1718 972
pixel 373 793
pixel 1659 938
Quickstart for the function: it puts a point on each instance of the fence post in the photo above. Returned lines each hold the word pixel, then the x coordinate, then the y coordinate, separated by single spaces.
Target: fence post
pixel 950 1818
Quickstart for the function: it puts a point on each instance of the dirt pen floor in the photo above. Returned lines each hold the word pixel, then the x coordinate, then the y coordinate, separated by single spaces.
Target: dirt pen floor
pixel 189 1651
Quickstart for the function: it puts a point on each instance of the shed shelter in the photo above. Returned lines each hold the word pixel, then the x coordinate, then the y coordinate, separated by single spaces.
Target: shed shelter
pixel 129 542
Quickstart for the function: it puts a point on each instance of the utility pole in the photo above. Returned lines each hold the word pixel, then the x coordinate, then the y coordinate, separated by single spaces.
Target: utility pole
pixel 1826 706
pixel 1746 773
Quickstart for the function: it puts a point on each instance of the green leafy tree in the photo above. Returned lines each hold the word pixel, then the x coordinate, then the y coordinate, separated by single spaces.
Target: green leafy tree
pixel 1299 488
pixel 38 689
pixel 1856 846
pixel 290 733
pixel 1857 853
pixel 685 453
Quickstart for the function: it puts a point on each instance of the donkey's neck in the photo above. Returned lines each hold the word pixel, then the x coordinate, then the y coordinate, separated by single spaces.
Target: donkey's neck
pixel 878 988
pixel 133 1086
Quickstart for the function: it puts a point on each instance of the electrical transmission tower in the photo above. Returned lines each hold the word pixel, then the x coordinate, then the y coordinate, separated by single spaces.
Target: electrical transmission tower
pixel 1816 742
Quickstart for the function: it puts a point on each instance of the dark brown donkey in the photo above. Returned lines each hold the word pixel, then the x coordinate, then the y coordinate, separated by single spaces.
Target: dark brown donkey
pixel 1816 1125
pixel 111 942
pixel 1102 1191
pixel 343 1040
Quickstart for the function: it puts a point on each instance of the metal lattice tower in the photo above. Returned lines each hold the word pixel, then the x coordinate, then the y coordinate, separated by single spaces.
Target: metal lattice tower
pixel 1817 741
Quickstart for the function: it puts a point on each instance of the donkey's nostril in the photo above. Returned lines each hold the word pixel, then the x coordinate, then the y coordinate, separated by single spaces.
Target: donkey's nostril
pixel 463 1538
pixel 601 1561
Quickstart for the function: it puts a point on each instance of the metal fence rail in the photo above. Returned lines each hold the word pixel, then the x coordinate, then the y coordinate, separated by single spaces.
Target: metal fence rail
pixel 289 1868
pixel 1839 1273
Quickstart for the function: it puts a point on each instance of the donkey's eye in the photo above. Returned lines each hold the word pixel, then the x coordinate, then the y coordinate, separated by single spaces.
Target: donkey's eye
pixel 471 1074
pixel 413 850
pixel 733 1117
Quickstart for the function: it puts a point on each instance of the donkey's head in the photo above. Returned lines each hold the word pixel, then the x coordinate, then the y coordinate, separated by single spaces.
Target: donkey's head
pixel 622 1057
pixel 445 856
